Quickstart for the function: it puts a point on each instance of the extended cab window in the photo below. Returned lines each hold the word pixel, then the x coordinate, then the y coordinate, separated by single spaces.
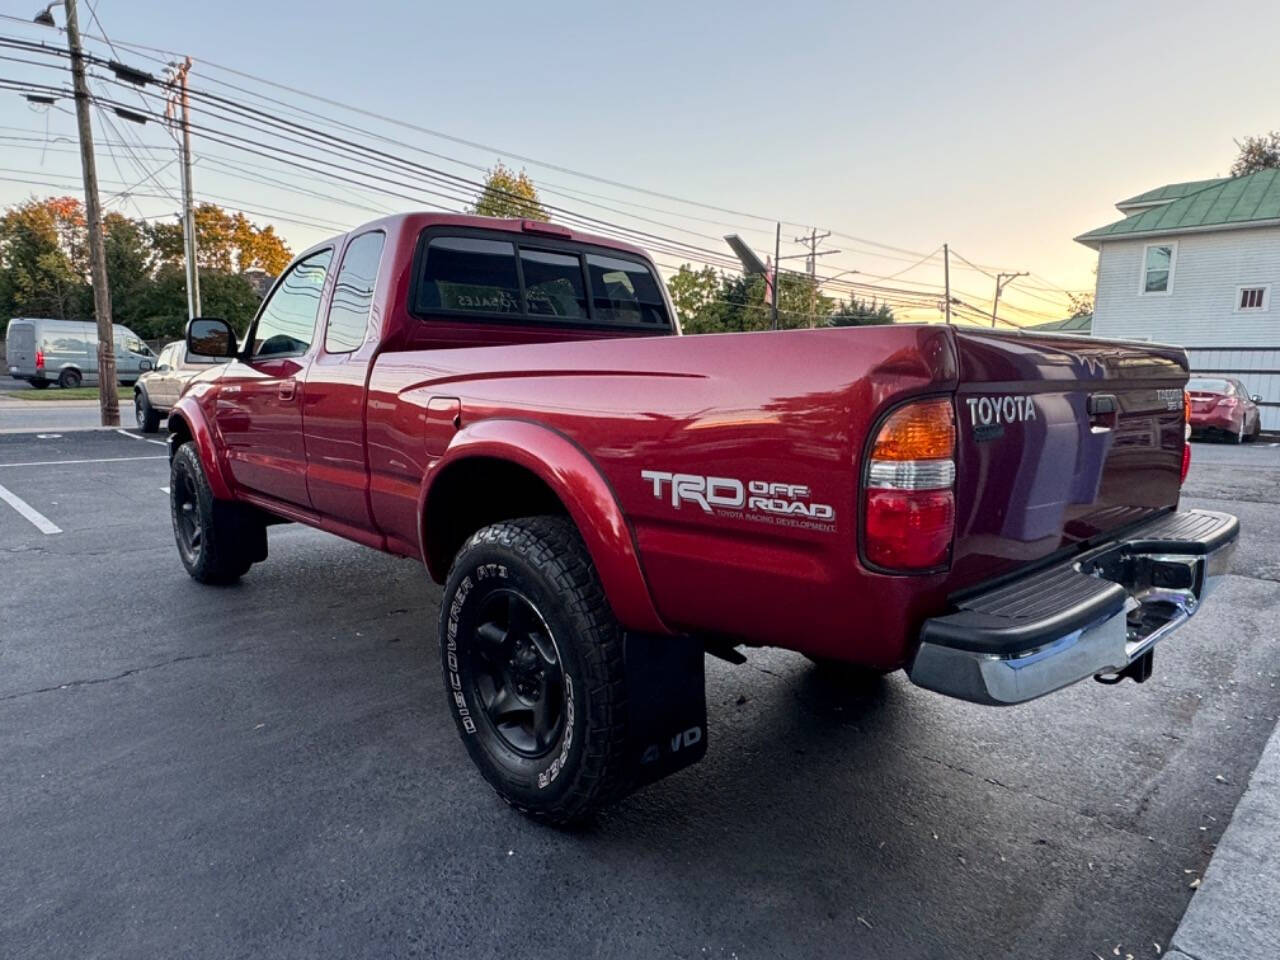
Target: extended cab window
pixel 468 273
pixel 536 279
pixel 353 294
pixel 625 291
pixel 553 284
pixel 288 319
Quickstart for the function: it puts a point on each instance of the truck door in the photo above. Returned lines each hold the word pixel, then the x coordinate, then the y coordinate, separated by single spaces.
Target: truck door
pixel 337 465
pixel 259 407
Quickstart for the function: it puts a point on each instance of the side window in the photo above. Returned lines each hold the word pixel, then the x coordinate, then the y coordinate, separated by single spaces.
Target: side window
pixel 288 319
pixel 624 291
pixel 470 274
pixel 168 356
pixel 1157 267
pixel 353 294
pixel 553 284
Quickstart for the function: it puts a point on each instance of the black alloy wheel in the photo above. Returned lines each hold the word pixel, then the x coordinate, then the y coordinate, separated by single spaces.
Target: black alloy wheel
pixel 518 679
pixel 187 516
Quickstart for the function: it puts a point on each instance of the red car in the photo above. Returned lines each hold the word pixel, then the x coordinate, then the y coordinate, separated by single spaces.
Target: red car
pixel 1223 407
pixel 511 404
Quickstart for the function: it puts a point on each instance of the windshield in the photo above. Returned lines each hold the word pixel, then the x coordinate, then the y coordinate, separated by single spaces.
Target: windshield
pixel 1205 385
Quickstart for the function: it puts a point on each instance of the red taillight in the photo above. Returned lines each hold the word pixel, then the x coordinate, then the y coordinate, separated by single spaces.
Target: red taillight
pixel 910 507
pixel 1186 436
pixel 909 529
pixel 39 359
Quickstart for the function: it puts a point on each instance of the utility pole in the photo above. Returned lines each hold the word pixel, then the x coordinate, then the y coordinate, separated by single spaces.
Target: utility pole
pixel 811 266
pixel 946 273
pixel 108 397
pixel 1002 281
pixel 777 253
pixel 188 208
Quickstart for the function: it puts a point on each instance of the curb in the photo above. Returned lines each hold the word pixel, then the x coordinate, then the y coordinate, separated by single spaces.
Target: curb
pixel 48 404
pixel 1234 914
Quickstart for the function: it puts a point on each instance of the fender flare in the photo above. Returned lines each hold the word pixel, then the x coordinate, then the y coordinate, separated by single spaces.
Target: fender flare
pixel 574 478
pixel 188 411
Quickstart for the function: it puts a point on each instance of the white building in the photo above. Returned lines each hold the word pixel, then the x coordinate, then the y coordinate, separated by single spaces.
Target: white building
pixel 1197 264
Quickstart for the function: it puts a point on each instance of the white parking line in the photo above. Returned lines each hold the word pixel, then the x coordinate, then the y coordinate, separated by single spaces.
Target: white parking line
pixel 133 436
pixel 164 490
pixel 51 463
pixel 41 522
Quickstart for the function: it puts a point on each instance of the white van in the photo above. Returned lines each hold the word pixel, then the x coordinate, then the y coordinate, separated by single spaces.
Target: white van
pixel 65 352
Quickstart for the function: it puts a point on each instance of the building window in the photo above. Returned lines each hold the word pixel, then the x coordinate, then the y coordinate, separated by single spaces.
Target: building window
pixel 1157 267
pixel 1249 299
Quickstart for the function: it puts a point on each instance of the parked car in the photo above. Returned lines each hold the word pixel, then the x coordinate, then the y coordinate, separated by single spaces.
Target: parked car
pixel 605 500
pixel 1221 406
pixel 65 352
pixel 158 390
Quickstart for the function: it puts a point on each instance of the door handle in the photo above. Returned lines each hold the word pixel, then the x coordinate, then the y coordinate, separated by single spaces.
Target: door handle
pixel 1104 411
pixel 287 387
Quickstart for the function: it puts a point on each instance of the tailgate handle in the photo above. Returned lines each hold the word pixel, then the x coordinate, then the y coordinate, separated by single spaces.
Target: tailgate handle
pixel 1101 403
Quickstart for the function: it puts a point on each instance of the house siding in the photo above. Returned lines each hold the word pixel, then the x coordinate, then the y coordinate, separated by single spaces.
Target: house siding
pixel 1200 311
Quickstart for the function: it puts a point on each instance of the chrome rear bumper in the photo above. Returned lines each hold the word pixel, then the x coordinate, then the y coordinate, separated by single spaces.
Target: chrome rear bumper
pixel 1097 614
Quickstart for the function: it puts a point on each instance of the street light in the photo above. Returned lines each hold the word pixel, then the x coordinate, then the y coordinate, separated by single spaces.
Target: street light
pixel 45 16
pixel 838 275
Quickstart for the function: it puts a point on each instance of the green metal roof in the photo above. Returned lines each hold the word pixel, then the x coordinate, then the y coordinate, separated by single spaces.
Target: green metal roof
pixel 1082 324
pixel 1170 191
pixel 1237 201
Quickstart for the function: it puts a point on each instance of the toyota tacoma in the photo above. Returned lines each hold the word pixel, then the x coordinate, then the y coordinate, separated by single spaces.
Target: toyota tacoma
pixel 606 501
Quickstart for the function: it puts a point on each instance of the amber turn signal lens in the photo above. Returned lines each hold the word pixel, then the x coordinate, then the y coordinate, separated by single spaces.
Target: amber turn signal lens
pixel 918 431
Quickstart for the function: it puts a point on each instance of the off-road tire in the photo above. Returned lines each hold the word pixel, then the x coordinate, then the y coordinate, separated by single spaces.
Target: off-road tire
pixel 69 379
pixel 147 416
pixel 231 537
pixel 544 560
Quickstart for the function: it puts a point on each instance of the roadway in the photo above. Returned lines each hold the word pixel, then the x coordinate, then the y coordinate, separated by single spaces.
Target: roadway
pixel 270 769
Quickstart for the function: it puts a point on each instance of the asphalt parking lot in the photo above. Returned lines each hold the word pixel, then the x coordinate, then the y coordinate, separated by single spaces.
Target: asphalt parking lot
pixel 270 769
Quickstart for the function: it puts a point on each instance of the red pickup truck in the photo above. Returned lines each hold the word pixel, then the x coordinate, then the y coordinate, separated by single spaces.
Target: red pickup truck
pixel 605 500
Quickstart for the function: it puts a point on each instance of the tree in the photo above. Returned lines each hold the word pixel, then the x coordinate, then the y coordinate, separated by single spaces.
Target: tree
pixel 711 302
pixel 43 262
pixel 860 313
pixel 1081 304
pixel 1257 153
pixel 224 241
pixel 129 265
pixel 44 268
pixel 160 312
pixel 695 294
pixel 510 194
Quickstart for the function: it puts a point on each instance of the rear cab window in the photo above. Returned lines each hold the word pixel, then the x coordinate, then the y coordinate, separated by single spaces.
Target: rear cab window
pixel 500 277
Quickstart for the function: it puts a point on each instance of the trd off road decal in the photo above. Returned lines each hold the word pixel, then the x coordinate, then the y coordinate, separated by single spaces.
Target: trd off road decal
pixel 760 501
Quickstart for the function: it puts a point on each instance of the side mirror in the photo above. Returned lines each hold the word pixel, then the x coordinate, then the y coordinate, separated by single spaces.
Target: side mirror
pixel 144 365
pixel 1256 398
pixel 211 337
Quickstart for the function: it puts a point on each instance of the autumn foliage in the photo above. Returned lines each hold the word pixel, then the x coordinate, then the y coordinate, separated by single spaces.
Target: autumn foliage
pixel 44 265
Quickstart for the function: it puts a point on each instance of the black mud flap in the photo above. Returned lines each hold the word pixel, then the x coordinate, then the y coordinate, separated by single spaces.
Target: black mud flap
pixel 666 705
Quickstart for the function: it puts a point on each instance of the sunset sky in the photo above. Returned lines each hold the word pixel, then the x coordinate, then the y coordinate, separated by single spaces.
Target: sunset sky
pixel 1004 129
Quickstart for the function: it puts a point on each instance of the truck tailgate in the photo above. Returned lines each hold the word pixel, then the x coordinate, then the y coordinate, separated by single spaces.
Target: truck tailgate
pixel 1060 441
